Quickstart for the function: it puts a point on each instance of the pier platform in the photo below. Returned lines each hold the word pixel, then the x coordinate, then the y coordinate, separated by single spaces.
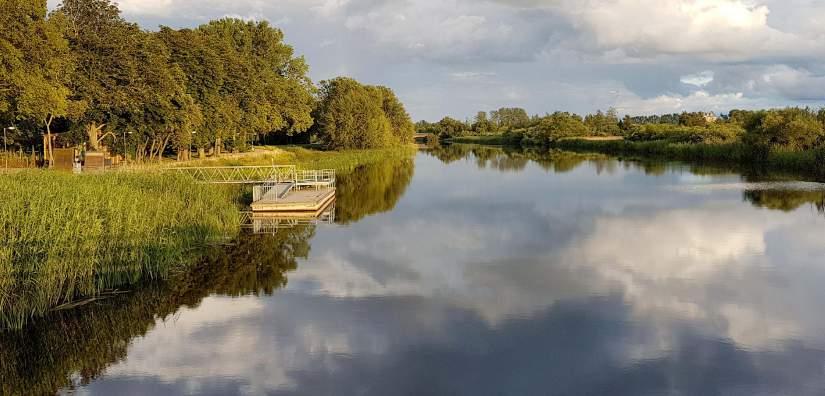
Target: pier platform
pixel 299 201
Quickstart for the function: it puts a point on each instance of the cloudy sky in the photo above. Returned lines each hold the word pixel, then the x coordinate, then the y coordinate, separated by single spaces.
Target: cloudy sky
pixel 454 57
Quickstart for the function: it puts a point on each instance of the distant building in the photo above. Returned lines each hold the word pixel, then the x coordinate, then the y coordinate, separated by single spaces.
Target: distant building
pixel 710 118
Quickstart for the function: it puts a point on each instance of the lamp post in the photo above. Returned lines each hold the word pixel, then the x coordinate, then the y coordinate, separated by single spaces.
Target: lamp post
pixel 189 156
pixel 124 146
pixel 5 145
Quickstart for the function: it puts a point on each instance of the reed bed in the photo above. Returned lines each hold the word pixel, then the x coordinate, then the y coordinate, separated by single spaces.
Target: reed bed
pixel 65 237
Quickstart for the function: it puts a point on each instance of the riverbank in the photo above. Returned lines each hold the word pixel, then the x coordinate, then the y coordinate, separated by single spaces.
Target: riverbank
pixel 65 238
pixel 492 140
pixel 809 163
pixel 342 162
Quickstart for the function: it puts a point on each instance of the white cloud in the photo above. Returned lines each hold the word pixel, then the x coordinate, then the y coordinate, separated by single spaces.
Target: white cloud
pixel 471 75
pixel 146 7
pixel 697 101
pixel 792 83
pixel 712 29
pixel 698 79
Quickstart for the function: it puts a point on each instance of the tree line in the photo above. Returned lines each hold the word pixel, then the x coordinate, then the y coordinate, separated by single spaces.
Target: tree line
pixel 789 129
pixel 96 78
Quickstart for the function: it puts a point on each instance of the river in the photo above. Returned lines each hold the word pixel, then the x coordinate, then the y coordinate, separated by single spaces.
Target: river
pixel 478 271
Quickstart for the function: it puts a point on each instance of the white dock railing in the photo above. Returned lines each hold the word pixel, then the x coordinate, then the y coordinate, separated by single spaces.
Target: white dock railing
pixel 316 178
pixel 276 190
pixel 241 174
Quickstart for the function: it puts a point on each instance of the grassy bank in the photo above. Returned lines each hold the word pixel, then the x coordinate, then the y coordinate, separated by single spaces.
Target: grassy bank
pixel 307 158
pixel 64 237
pixel 811 163
pixel 492 140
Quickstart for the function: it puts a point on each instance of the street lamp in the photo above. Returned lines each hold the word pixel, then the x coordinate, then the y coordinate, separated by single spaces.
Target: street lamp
pixel 124 146
pixel 189 156
pixel 5 145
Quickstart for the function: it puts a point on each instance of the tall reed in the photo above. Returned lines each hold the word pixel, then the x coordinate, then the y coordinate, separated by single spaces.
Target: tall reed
pixel 63 237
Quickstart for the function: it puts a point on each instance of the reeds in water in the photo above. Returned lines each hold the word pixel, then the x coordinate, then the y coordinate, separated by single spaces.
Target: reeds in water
pixel 65 237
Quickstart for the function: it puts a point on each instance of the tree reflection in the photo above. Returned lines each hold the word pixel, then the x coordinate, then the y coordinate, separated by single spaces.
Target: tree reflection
pixel 74 347
pixel 514 159
pixel 372 189
pixel 786 200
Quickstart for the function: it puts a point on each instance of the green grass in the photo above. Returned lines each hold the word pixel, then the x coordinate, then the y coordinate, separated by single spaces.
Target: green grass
pixel 343 161
pixel 65 237
pixel 493 140
pixel 811 163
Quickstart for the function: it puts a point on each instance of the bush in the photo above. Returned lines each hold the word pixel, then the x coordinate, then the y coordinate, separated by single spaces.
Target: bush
pixel 712 133
pixel 792 129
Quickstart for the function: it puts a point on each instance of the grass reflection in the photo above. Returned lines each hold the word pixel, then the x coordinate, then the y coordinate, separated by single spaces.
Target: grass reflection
pixel 74 347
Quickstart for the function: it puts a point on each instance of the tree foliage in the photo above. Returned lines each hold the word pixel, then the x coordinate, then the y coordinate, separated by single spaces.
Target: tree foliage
pixel 224 84
pixel 35 66
pixel 350 115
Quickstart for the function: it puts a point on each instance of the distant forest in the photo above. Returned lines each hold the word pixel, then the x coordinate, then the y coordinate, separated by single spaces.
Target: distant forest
pixel 99 81
pixel 790 129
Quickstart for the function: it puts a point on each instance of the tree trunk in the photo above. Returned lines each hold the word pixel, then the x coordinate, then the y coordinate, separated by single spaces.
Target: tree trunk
pixel 93 132
pixel 49 120
pixel 162 147
pixel 218 147
pixel 201 153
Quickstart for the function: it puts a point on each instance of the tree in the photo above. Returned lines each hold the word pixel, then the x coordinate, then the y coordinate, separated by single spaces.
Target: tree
pixel 262 78
pixel 123 78
pixel 627 123
pixel 401 125
pixel 204 75
pixel 350 115
pixel 604 124
pixel 791 128
pixel 450 127
pixel 693 119
pixel 509 118
pixel 557 126
pixel 481 124
pixel 36 65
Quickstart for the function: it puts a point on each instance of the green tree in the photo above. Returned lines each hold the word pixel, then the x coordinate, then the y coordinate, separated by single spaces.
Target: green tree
pixel 450 127
pixel 481 124
pixel 693 119
pixel 401 125
pixel 35 65
pixel 604 124
pixel 262 78
pixel 791 129
pixel 350 115
pixel 509 118
pixel 556 126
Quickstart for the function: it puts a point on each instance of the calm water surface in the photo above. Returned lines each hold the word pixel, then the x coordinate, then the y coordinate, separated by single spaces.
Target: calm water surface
pixel 479 272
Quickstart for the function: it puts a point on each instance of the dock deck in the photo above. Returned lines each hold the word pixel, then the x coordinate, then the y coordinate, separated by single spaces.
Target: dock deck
pixel 297 201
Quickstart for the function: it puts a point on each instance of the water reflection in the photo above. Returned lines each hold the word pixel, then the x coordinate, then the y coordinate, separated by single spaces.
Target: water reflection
pixel 496 273
pixel 372 189
pixel 786 200
pixel 74 348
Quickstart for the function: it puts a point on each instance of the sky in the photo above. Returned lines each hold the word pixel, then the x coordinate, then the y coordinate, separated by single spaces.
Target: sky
pixel 456 57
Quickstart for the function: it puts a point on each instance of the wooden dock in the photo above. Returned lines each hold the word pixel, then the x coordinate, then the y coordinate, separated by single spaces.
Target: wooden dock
pixel 278 189
pixel 297 201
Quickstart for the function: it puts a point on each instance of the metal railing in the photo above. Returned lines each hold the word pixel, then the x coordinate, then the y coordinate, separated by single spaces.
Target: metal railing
pixel 241 174
pixel 316 178
pixel 271 191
